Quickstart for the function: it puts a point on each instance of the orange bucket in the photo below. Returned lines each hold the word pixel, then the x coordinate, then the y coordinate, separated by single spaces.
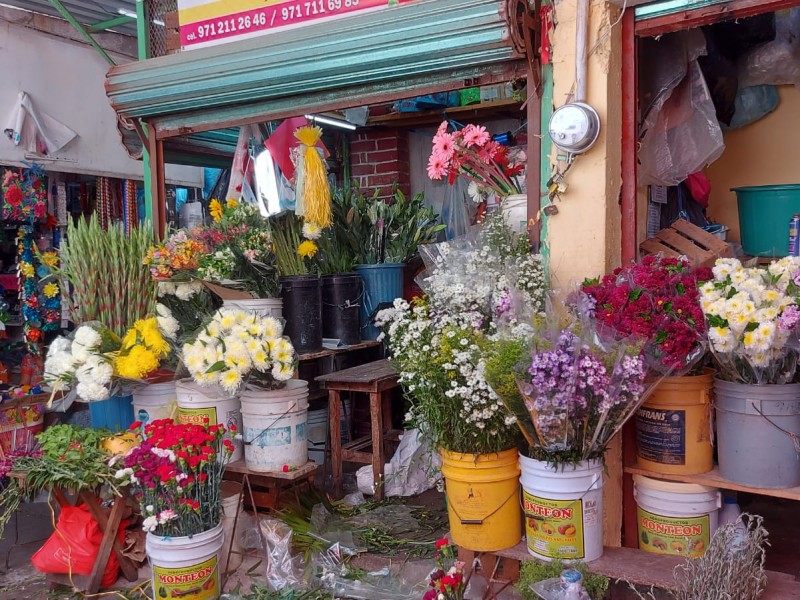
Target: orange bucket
pixel 673 427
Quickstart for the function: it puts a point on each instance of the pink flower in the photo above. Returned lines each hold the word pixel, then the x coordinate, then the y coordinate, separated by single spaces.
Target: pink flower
pixel 436 167
pixel 475 135
pixel 444 145
pixel 442 129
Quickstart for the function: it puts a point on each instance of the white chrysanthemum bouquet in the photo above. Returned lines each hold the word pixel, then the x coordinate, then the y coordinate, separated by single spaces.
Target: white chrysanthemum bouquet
pixel 753 316
pixel 237 348
pixel 82 362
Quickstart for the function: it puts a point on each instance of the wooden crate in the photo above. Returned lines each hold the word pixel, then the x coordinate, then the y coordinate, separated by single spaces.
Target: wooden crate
pixel 682 238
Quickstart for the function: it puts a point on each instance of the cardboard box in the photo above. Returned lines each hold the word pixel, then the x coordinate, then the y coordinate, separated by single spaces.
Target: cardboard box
pixel 492 93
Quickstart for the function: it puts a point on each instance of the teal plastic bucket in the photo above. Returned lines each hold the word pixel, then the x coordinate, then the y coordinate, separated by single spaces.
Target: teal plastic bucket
pixel 115 414
pixel 764 215
pixel 382 283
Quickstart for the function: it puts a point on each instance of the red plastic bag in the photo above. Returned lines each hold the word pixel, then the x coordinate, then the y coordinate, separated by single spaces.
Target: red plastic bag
pixel 74 545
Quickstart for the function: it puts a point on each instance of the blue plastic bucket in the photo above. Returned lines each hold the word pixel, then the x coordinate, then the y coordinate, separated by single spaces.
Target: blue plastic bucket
pixel 382 283
pixel 115 414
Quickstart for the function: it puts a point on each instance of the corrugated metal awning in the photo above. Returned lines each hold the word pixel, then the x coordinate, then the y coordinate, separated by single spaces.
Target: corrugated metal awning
pixel 394 53
pixel 87 12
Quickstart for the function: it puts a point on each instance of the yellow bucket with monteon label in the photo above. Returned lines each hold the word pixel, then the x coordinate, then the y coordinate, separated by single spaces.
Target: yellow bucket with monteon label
pixel 483 499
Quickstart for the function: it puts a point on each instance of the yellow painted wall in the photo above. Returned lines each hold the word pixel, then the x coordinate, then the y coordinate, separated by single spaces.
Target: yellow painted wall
pixel 763 153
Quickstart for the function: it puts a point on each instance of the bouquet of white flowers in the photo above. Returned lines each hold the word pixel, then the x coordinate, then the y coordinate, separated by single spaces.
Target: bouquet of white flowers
pixel 239 347
pixel 752 317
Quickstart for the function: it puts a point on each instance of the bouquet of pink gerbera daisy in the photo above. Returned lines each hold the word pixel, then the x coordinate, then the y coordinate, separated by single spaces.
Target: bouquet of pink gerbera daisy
pixel 473 153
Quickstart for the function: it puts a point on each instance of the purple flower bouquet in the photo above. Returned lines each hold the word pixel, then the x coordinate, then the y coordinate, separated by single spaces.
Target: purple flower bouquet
pixel 579 387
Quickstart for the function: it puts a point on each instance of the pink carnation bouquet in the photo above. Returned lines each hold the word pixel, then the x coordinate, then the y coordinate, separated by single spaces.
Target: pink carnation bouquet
pixel 472 153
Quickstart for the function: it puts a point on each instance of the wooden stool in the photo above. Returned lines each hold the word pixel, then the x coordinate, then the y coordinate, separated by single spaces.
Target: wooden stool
pixel 376 379
pixel 109 522
pixel 265 488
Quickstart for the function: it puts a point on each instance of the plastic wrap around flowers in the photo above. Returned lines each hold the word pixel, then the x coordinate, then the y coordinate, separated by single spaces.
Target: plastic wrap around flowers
pixel 753 315
pixel 239 347
pixel 579 386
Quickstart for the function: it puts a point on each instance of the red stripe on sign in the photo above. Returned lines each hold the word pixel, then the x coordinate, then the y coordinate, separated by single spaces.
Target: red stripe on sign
pixel 282 15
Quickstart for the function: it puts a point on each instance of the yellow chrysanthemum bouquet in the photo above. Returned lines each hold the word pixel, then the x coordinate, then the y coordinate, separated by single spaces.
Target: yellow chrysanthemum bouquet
pixel 237 348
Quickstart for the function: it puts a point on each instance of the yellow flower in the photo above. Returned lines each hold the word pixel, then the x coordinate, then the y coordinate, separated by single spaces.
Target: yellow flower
pixel 51 290
pixel 215 208
pixel 307 249
pixel 231 203
pixel 138 363
pixel 50 259
pixel 26 269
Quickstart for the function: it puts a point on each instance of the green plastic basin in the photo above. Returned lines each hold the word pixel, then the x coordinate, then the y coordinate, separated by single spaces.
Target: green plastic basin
pixel 764 215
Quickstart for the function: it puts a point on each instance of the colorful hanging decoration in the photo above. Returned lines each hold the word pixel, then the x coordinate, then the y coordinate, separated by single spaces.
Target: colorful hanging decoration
pixel 24 195
pixel 313 189
pixel 103 205
pixel 40 296
pixel 130 205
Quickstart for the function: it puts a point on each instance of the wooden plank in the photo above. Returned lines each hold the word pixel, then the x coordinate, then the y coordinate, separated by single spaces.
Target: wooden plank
pixel 364 458
pixel 334 423
pixel 709 241
pixel 612 494
pixel 654 246
pixel 363 345
pixel 363 374
pixel 240 467
pixel 129 570
pixel 682 245
pixel 107 544
pixel 378 456
pixel 713 479
pixel 358 443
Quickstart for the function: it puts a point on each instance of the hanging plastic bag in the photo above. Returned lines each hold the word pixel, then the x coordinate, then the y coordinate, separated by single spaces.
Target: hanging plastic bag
pixel 776 62
pixel 73 547
pixel 683 136
pixel 456 207
pixel 752 104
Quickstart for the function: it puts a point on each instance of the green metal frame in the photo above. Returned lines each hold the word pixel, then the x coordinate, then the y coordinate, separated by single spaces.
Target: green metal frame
pixel 110 23
pixel 62 10
pixel 668 7
pixel 143 40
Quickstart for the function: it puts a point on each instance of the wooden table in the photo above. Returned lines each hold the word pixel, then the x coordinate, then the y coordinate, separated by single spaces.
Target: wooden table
pixel 268 486
pixel 376 379
pixel 109 522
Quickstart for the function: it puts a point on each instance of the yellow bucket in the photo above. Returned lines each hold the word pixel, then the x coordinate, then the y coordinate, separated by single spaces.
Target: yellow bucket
pixel 673 427
pixel 483 499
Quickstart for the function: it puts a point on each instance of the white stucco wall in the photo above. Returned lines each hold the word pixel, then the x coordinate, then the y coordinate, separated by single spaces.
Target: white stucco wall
pixel 65 79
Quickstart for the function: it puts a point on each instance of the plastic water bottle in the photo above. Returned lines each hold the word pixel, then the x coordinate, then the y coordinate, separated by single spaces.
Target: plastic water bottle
pixel 730 513
pixel 794 235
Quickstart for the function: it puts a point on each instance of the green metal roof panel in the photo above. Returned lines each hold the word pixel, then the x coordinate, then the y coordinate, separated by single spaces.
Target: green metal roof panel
pixel 420 42
pixel 668 7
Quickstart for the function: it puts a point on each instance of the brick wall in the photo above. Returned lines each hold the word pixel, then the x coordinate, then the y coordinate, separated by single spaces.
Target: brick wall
pixel 379 159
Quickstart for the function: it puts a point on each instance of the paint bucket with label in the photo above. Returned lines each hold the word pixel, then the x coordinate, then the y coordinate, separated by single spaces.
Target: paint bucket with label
pixel 673 427
pixel 675 518
pixel 263 307
pixel 186 567
pixel 563 509
pixel 483 499
pixel 275 423
pixel 204 405
pixel 154 401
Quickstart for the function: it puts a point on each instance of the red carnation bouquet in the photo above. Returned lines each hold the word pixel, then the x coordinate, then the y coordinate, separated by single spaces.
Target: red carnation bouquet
pixel 447 580
pixel 656 300
pixel 176 473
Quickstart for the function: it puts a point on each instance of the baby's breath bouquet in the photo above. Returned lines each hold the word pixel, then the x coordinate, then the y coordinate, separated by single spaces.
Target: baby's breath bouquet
pixel 238 348
pixel 440 343
pixel 752 316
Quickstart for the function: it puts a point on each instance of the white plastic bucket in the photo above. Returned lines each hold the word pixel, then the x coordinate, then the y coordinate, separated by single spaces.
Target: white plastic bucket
pixel 515 212
pixel 231 494
pixel 275 425
pixel 674 518
pixel 154 401
pixel 209 404
pixel 186 567
pixel 563 509
pixel 317 430
pixel 266 307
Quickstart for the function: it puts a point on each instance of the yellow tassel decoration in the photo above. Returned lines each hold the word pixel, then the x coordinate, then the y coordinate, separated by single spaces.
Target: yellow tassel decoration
pixel 316 192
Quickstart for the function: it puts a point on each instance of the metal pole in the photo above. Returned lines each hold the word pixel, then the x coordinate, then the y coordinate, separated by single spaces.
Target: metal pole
pixel 82 30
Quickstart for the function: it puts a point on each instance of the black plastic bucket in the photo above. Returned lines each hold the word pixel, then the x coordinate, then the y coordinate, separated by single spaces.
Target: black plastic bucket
pixel 341 302
pixel 302 309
